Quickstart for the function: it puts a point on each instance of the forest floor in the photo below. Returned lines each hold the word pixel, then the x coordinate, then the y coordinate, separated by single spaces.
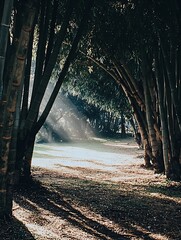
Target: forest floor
pixel 94 191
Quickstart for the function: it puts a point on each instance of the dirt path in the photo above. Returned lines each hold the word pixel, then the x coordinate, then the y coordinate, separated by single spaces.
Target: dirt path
pixel 96 190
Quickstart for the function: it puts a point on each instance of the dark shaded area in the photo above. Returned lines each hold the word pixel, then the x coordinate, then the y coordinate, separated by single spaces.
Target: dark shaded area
pixel 170 191
pixel 55 203
pixel 136 214
pixel 14 230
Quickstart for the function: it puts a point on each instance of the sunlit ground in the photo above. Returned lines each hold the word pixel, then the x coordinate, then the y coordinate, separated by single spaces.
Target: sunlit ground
pixel 94 155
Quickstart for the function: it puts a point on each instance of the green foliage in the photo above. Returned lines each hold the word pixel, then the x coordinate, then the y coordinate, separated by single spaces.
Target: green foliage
pixel 98 89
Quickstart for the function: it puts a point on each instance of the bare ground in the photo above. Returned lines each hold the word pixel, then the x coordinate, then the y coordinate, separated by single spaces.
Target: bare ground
pixel 123 201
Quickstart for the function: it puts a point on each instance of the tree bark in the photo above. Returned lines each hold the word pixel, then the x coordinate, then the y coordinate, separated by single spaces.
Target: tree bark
pixel 155 143
pixel 4 36
pixel 17 75
pixel 164 124
pixel 172 84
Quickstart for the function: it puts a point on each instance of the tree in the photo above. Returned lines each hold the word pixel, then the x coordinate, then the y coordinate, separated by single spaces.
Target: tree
pixel 137 43
pixel 9 107
pixel 34 24
pixel 4 38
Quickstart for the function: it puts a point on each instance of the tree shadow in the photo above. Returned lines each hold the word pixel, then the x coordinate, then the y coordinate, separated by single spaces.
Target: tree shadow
pixel 135 214
pixel 139 214
pixel 55 203
pixel 170 191
pixel 14 230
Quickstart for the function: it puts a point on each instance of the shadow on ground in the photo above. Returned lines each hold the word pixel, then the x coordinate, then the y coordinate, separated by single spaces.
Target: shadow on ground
pixel 14 230
pixel 133 214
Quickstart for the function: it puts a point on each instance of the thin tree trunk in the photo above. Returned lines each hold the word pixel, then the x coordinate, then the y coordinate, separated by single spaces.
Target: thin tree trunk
pixel 40 54
pixel 135 90
pixel 52 32
pixel 24 109
pixel 123 130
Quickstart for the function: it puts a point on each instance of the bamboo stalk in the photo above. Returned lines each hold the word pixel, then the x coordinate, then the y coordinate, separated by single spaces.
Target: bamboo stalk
pixel 17 76
pixel 159 82
pixel 35 103
pixel 4 32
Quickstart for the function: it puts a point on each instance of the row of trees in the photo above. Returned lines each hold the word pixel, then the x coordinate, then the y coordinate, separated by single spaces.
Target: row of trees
pixel 136 42
pixel 31 31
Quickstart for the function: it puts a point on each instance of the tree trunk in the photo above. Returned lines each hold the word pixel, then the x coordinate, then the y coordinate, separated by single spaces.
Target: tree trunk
pixel 27 159
pixel 144 134
pixel 51 33
pixel 30 132
pixel 36 101
pixel 123 130
pixel 4 36
pixel 171 81
pixel 155 143
pixel 17 76
pixel 40 53
pixel 12 155
pixel 175 143
pixel 165 142
pixel 64 71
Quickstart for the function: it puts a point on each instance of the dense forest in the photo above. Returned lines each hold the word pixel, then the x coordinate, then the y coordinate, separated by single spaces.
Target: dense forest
pixel 113 54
